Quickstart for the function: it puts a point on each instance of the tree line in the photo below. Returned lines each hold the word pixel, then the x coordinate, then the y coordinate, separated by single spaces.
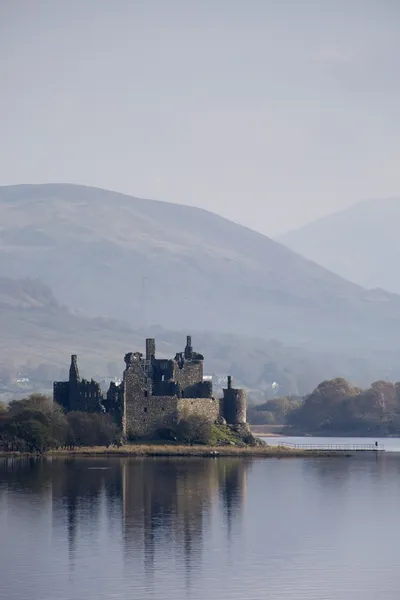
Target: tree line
pixel 336 406
pixel 37 424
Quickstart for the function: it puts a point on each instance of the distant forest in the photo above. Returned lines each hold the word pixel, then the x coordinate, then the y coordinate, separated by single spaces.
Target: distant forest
pixel 335 407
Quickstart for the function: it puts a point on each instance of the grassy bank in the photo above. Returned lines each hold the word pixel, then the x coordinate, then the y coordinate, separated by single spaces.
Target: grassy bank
pixel 156 450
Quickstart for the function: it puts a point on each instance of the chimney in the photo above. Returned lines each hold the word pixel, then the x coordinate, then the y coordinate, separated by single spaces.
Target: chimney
pixel 189 347
pixel 150 348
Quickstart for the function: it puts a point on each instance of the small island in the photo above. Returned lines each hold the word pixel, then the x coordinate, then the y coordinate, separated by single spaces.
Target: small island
pixel 162 406
pixel 166 399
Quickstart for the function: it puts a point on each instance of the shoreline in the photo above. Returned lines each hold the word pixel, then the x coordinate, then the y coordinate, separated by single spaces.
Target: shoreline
pixel 258 431
pixel 149 450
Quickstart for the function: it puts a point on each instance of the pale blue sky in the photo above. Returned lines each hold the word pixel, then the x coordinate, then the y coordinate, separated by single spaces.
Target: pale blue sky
pixel 269 112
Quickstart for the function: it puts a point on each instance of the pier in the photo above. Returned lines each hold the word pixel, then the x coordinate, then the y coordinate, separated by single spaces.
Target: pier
pixel 338 447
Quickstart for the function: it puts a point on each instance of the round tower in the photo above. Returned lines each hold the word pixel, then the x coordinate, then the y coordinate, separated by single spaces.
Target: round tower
pixel 234 405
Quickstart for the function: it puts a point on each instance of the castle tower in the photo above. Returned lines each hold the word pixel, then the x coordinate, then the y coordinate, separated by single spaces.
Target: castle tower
pixel 234 404
pixel 73 370
pixel 74 383
pixel 189 347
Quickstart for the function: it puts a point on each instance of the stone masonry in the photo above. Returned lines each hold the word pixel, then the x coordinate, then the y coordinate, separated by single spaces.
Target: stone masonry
pixel 155 393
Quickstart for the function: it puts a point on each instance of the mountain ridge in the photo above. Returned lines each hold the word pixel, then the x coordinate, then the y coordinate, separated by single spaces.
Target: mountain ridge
pixel 368 244
pixel 151 262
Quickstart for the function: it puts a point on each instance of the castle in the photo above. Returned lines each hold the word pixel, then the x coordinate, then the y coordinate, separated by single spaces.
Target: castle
pixel 155 393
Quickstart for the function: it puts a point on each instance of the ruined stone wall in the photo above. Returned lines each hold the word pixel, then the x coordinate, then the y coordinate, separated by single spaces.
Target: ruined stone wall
pixel 114 402
pixel 162 370
pixel 207 408
pixel 90 396
pixel 61 394
pixel 146 415
pixel 165 388
pixel 198 390
pixel 78 395
pixel 188 375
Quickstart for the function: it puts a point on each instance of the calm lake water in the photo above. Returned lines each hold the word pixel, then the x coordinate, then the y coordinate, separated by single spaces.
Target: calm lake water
pixel 200 529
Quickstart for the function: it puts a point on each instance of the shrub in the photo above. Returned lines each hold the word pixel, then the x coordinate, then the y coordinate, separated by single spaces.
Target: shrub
pixel 167 433
pixel 36 424
pixel 194 430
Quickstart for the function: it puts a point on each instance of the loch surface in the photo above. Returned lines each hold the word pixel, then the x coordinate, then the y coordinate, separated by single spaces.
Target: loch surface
pixel 200 528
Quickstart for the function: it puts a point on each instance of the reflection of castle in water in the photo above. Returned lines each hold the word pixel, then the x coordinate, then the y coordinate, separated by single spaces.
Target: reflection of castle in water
pixel 232 489
pixel 163 505
pixel 165 502
pixel 168 503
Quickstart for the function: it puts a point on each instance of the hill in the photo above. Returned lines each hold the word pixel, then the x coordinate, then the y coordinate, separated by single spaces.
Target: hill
pixel 360 243
pixel 149 262
pixel 38 336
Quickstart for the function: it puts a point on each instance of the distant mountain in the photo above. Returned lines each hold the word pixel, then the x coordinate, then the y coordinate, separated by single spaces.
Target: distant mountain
pixel 36 329
pixel 149 262
pixel 361 243
pixel 38 336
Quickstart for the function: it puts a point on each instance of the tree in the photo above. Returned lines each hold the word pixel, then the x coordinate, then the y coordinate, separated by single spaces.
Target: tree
pixel 36 435
pixel 274 411
pixel 45 411
pixel 326 406
pixel 35 401
pixel 47 423
pixel 27 431
pixel 91 429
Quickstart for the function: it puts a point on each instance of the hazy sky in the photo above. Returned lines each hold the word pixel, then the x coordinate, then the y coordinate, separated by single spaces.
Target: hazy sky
pixel 269 112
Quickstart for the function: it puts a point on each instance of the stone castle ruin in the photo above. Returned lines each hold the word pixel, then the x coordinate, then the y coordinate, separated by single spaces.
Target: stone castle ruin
pixel 155 393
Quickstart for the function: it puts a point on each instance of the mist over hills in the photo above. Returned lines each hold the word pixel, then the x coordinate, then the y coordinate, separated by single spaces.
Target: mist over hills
pixel 38 335
pixel 148 262
pixel 360 243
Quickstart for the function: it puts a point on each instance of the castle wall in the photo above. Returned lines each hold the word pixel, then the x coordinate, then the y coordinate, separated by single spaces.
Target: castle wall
pixel 146 415
pixel 143 412
pixel 207 408
pixel 114 402
pixel 162 370
pixel 61 393
pixel 90 396
pixel 165 388
pixel 188 375
pixel 203 389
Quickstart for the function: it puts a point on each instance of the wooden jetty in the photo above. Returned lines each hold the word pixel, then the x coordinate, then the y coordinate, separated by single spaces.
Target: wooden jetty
pixel 336 447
